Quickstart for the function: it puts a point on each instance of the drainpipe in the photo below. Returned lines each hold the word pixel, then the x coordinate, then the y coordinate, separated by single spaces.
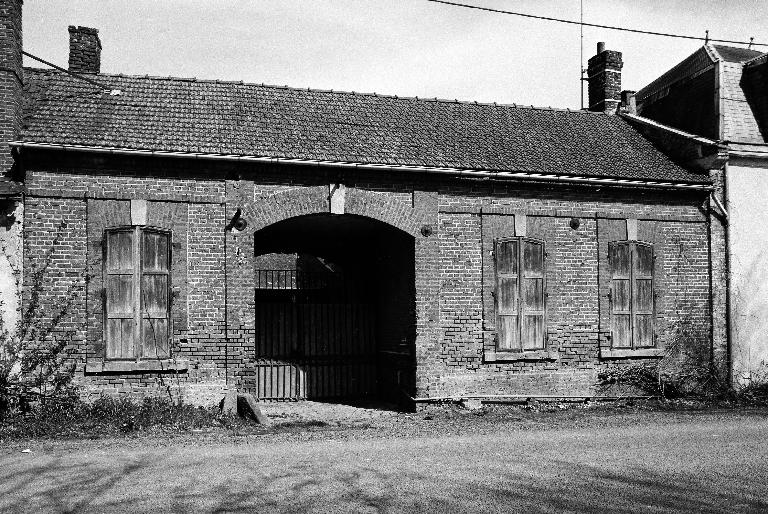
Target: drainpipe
pixel 717 202
pixel 226 303
pixel 729 357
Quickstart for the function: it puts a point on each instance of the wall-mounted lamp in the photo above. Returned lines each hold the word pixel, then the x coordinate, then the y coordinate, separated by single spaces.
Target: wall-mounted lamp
pixel 7 213
pixel 575 223
pixel 237 222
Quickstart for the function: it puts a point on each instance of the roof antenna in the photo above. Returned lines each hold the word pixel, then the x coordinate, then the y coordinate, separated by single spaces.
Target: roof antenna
pixel 112 92
pixel 751 40
pixel 581 54
pixel 706 39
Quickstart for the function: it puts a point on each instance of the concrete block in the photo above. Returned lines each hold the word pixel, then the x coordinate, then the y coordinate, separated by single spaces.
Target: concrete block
pixel 472 404
pixel 249 409
pixel 228 404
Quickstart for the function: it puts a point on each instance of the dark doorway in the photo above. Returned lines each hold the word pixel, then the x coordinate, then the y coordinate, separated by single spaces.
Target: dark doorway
pixel 335 310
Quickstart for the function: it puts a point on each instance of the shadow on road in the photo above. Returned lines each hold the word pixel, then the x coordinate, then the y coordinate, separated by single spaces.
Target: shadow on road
pixel 135 486
pixel 681 468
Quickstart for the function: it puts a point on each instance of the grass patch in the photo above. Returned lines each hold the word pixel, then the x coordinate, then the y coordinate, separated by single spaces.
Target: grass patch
pixel 110 416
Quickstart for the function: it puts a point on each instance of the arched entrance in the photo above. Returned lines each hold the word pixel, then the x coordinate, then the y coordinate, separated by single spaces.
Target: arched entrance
pixel 335 310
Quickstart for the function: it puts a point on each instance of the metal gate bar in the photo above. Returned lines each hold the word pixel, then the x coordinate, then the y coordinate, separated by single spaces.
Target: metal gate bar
pixel 313 340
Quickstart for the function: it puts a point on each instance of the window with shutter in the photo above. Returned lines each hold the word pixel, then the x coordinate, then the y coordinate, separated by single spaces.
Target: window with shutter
pixel 631 294
pixel 520 294
pixel 120 269
pixel 137 278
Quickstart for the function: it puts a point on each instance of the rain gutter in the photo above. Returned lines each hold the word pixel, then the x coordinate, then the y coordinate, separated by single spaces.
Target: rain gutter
pixel 460 172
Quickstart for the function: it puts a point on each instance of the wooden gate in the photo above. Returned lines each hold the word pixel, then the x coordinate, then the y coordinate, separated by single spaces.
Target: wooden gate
pixel 314 339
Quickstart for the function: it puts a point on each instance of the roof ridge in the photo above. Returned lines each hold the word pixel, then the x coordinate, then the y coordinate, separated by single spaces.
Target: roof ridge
pixel 756 60
pixel 713 53
pixel 330 91
pixel 715 48
pixel 674 74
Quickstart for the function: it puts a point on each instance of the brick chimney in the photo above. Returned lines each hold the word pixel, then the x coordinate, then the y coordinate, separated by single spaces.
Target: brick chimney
pixel 628 102
pixel 84 50
pixel 11 80
pixel 604 79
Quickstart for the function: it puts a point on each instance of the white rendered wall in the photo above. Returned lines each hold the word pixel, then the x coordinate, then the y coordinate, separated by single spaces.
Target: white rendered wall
pixel 10 266
pixel 747 191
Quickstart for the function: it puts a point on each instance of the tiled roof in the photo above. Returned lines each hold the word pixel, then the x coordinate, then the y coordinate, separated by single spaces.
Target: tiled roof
pixel 744 109
pixel 735 54
pixel 698 61
pixel 692 65
pixel 187 115
pixel 741 118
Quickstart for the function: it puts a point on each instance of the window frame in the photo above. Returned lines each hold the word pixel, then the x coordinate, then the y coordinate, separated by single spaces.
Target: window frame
pixel 497 293
pixel 137 275
pixel 633 346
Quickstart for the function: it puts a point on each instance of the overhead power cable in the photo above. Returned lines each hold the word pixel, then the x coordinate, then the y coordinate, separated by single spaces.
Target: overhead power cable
pixel 76 75
pixel 597 25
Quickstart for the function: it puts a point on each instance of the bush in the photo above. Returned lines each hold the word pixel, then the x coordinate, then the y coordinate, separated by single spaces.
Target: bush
pixel 676 375
pixel 756 393
pixel 35 354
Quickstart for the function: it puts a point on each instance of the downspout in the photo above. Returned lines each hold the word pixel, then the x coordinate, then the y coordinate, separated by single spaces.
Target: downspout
pixel 717 202
pixel 728 283
pixel 712 363
pixel 720 119
pixel 719 112
pixel 226 304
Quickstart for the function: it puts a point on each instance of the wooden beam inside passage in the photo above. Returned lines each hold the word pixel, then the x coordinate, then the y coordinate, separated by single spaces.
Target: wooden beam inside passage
pixel 138 212
pixel 631 229
pixel 337 193
pixel 521 225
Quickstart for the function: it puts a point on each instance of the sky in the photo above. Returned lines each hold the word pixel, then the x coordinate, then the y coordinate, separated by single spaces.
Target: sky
pixel 399 47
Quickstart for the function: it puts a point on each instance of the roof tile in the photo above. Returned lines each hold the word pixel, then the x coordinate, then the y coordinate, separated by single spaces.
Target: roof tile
pixel 188 115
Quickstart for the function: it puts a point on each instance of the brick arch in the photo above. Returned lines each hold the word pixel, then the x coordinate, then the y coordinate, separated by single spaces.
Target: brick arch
pixel 290 203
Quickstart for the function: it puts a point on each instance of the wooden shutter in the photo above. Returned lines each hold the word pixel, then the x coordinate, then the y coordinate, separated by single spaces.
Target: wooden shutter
pixel 619 262
pixel 631 266
pixel 508 294
pixel 642 295
pixel 119 270
pixel 532 293
pixel 155 253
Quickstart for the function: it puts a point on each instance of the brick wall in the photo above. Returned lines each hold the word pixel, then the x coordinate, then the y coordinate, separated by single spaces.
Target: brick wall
pixel 452 225
pixel 460 292
pixel 55 244
pixel 578 322
pixel 11 79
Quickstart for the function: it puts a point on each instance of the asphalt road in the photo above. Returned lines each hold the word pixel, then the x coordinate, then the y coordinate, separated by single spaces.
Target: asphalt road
pixel 706 464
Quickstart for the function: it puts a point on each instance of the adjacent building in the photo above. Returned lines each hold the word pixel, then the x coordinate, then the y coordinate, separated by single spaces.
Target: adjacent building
pixel 719 96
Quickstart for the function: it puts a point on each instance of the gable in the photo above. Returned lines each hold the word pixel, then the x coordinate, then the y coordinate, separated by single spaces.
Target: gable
pixel 717 92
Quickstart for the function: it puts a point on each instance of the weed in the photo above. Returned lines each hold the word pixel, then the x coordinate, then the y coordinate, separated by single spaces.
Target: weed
pixel 36 354
pixel 69 416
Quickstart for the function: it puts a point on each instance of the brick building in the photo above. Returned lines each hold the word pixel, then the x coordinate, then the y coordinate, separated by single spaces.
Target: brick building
pixel 200 235
pixel 718 96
